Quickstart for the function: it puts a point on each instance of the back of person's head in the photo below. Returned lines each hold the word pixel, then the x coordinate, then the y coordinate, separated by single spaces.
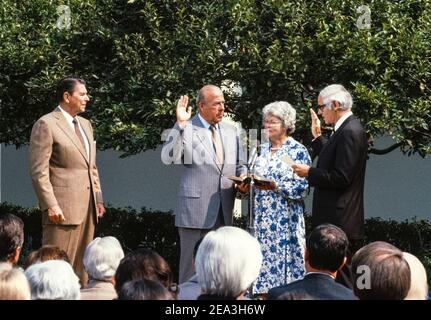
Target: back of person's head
pixel 11 237
pixel 336 92
pixel 13 283
pixel 227 262
pixel 144 289
pixel 143 264
pixel 102 257
pixel 327 247
pixel 53 280
pixel 45 253
pixel 418 278
pixel 380 272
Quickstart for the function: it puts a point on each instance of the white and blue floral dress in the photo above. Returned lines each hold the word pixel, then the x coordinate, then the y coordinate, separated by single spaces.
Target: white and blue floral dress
pixel 279 216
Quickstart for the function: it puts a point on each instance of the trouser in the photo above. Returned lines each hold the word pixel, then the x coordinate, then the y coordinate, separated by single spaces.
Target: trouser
pixel 73 239
pixel 345 275
pixel 188 239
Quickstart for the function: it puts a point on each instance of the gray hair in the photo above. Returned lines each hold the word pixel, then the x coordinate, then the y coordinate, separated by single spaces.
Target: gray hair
pixel 284 111
pixel 336 92
pixel 53 280
pixel 102 257
pixel 13 283
pixel 228 261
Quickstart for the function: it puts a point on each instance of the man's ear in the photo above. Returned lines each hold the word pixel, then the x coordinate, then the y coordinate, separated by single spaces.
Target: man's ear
pixel 306 254
pixel 344 262
pixel 66 96
pixel 15 256
pixel 336 105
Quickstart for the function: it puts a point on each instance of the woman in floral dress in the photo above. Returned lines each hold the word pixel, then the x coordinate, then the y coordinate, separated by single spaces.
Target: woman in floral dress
pixel 279 207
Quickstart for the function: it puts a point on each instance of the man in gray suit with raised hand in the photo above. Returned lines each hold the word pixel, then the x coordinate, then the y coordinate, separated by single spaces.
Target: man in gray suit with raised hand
pixel 209 152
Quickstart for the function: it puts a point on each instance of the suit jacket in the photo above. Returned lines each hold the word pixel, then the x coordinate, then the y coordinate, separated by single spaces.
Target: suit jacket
pixel 98 290
pixel 204 185
pixel 316 285
pixel 339 178
pixel 60 170
pixel 189 290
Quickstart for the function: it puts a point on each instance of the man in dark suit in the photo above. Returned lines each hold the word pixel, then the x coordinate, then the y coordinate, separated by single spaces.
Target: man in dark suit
pixel 338 178
pixel 209 151
pixel 62 158
pixel 325 254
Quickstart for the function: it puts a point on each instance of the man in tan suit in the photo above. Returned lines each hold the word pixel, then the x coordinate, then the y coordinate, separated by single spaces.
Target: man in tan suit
pixel 64 174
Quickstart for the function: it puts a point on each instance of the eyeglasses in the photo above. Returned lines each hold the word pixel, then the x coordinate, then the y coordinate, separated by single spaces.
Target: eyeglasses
pixel 321 106
pixel 271 123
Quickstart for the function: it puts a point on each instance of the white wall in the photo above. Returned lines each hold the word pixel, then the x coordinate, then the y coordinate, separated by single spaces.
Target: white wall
pixel 396 186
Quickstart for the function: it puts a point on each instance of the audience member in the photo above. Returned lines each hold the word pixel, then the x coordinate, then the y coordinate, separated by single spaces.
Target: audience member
pixel 325 255
pixel 380 272
pixel 47 252
pixel 418 278
pixel 144 264
pixel 101 259
pixel 227 262
pixel 144 289
pixel 53 280
pixel 13 283
pixel 11 237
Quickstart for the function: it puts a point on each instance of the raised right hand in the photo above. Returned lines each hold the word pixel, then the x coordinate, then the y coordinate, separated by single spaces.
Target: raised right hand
pixel 55 214
pixel 315 124
pixel 184 112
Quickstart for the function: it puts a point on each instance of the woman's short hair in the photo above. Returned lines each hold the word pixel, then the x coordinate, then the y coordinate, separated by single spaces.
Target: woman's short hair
pixel 336 92
pixel 53 280
pixel 102 257
pixel 284 111
pixel 45 253
pixel 13 283
pixel 227 262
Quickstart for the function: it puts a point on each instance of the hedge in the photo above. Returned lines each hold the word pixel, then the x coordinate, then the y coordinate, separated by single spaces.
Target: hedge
pixel 155 229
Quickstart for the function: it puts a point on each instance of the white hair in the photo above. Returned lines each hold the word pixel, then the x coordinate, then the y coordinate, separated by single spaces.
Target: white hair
pixel 418 278
pixel 102 257
pixel 53 280
pixel 336 92
pixel 284 111
pixel 13 283
pixel 228 261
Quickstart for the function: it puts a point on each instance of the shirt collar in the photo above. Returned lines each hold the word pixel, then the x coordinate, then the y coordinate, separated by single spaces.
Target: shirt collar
pixel 67 115
pixel 206 124
pixel 326 274
pixel 341 120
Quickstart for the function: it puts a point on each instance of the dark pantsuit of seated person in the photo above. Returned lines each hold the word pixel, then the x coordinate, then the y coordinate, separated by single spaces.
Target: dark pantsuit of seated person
pixel 338 178
pixel 209 152
pixel 279 207
pixel 380 272
pixel 227 262
pixel 324 256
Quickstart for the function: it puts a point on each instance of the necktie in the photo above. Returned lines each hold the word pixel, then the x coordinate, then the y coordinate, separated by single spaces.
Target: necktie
pixel 78 132
pixel 218 147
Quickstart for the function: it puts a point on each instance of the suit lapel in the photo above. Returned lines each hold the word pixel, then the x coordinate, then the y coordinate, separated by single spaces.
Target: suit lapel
pixel 65 127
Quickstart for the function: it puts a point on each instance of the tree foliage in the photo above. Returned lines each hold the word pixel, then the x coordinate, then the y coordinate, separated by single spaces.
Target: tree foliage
pixel 139 56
